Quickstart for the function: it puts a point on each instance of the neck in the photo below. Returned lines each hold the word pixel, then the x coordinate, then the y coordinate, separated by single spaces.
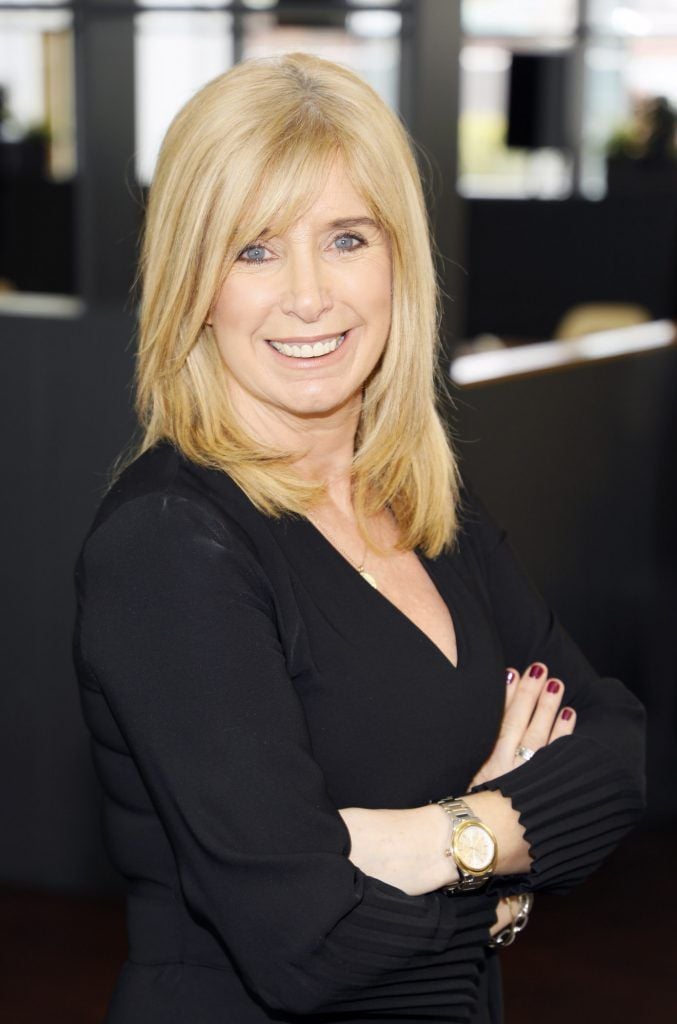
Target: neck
pixel 324 443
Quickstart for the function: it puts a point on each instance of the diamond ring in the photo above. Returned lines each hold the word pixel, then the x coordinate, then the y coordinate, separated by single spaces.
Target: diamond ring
pixel 526 753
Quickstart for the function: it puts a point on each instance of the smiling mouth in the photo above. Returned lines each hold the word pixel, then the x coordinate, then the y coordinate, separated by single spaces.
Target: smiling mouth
pixel 309 350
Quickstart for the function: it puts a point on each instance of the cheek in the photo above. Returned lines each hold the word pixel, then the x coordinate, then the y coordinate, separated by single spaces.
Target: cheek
pixel 373 291
pixel 241 305
pixel 383 299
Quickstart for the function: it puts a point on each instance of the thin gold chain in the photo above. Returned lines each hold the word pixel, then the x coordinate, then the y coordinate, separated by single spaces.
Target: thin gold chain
pixel 361 567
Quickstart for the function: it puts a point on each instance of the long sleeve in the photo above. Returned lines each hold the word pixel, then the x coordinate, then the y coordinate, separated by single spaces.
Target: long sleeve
pixel 178 629
pixel 581 794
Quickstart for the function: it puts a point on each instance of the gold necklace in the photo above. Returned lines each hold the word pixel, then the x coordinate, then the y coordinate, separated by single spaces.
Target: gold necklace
pixel 371 580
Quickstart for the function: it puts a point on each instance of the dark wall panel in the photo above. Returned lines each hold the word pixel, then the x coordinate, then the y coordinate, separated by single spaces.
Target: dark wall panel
pixel 528 262
pixel 65 414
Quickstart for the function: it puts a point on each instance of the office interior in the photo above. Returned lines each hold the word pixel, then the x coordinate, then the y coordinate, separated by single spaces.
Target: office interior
pixel 547 135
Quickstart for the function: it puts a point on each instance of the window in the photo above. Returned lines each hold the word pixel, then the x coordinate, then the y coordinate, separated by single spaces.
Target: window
pixel 175 54
pixel 178 52
pixel 594 76
pixel 630 61
pixel 37 150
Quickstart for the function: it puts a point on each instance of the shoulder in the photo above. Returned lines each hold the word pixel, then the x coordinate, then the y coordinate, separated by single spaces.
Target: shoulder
pixel 165 503
pixel 162 480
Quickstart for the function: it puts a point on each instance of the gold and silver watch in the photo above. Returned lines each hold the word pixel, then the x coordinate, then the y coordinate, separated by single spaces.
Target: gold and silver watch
pixel 472 845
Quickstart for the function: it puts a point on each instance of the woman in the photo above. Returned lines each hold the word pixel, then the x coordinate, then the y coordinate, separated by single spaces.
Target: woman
pixel 294 626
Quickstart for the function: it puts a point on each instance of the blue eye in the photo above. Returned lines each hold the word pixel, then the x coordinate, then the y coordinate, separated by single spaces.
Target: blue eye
pixel 253 254
pixel 348 243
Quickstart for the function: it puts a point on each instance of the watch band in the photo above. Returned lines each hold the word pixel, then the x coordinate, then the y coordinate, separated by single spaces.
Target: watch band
pixel 461 816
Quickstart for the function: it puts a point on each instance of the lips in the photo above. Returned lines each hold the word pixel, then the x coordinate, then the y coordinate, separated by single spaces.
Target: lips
pixel 297 348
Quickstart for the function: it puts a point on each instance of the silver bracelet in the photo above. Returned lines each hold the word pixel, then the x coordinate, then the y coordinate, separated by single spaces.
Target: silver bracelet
pixel 507 935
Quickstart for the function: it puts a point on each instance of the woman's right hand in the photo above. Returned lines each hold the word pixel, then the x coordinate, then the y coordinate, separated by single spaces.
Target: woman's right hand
pixel 532 718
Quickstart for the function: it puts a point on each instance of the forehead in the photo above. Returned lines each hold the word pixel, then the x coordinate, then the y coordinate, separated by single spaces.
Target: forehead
pixel 337 192
pixel 328 198
pixel 335 202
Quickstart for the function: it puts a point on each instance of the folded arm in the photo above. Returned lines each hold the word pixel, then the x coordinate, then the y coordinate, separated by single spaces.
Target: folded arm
pixel 558 815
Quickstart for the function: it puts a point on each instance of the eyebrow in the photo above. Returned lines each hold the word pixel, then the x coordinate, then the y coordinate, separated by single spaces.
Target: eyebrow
pixel 353 222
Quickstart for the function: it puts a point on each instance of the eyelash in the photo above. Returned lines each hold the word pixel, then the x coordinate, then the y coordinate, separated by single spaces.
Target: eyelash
pixel 344 234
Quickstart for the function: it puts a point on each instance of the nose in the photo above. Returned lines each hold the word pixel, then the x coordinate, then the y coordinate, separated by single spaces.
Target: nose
pixel 307 290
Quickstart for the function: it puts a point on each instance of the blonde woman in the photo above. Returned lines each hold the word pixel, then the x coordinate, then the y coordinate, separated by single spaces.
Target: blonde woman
pixel 326 790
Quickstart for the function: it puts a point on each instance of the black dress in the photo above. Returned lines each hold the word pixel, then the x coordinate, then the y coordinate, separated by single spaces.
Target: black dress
pixel 241 682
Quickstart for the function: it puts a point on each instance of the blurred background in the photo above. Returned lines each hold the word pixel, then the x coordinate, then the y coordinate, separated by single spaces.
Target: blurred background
pixel 551 160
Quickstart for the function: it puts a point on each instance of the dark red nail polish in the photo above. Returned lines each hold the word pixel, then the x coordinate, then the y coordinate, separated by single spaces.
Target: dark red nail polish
pixel 553 686
pixel 536 671
pixel 509 677
pixel 567 714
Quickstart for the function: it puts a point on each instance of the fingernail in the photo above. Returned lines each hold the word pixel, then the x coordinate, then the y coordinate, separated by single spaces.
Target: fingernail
pixel 567 714
pixel 536 671
pixel 553 686
pixel 509 677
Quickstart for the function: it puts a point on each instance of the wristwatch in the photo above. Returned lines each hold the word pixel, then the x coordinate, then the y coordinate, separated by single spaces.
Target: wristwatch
pixel 472 845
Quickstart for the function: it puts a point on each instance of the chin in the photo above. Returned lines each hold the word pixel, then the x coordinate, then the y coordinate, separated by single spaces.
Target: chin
pixel 320 404
pixel 312 410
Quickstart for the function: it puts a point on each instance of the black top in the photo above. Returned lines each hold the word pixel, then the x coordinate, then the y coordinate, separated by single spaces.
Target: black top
pixel 241 682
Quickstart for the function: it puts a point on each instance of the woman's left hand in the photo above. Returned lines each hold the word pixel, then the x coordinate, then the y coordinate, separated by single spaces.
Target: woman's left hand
pixel 532 718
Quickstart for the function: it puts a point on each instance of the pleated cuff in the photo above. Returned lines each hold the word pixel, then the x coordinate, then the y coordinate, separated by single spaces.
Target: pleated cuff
pixel 575 802
pixel 402 956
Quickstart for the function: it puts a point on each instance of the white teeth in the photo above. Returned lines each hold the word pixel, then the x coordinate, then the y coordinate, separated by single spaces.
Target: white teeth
pixel 318 348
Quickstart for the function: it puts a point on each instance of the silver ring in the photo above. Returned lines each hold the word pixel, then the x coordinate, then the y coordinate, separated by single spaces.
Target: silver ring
pixel 526 753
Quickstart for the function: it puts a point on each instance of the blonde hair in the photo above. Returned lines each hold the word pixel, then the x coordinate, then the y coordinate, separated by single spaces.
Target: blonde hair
pixel 248 151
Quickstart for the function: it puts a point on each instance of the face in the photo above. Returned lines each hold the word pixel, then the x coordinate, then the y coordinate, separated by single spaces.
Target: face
pixel 303 316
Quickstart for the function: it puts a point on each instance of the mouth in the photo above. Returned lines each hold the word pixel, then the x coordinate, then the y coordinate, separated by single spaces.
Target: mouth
pixel 299 349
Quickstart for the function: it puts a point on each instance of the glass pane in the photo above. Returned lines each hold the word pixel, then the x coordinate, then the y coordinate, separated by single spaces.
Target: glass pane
pixel 518 17
pixel 183 3
pixel 487 165
pixel 624 77
pixel 175 54
pixel 37 151
pixel 634 17
pixel 36 81
pixel 266 5
pixel 651 69
pixel 369 44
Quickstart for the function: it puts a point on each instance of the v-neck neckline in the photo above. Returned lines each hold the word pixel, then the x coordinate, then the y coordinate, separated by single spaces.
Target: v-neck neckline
pixel 430 566
pixel 385 602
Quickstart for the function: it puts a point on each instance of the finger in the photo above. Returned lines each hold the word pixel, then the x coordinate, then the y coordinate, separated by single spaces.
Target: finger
pixel 565 723
pixel 537 734
pixel 511 681
pixel 522 704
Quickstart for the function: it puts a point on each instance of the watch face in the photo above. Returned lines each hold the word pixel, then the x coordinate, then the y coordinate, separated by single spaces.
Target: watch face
pixel 474 848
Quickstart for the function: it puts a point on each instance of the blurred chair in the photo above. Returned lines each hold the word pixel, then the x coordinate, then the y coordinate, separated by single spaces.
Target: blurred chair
pixel 588 317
